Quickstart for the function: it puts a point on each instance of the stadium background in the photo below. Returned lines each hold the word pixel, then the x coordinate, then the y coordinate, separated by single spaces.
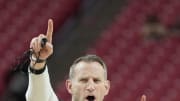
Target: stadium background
pixel 108 28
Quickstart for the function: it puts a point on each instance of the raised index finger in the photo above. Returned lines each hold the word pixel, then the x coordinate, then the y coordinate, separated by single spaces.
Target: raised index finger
pixel 49 30
pixel 143 98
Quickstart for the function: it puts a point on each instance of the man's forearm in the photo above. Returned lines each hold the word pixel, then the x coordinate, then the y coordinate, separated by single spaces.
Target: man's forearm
pixel 39 88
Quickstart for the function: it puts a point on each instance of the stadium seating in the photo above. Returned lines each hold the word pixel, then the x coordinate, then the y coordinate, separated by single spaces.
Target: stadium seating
pixel 21 20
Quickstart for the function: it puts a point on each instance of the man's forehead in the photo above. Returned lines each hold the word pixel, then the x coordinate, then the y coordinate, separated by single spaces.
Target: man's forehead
pixel 85 67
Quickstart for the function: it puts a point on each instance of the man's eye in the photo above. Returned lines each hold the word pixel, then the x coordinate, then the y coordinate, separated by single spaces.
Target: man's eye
pixel 97 80
pixel 83 80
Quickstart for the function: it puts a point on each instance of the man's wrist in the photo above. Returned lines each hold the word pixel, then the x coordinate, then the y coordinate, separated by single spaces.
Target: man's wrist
pixel 37 66
pixel 37 60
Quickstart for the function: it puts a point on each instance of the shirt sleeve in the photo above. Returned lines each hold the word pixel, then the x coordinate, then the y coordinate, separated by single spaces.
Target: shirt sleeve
pixel 39 88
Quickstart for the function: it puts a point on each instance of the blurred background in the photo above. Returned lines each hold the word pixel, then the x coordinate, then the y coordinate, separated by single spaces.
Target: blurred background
pixel 138 39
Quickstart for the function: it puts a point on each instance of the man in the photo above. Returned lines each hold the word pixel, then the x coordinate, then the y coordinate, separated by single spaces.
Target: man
pixel 87 77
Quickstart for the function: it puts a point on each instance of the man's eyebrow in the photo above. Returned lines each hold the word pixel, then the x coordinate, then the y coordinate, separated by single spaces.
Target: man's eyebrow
pixel 85 77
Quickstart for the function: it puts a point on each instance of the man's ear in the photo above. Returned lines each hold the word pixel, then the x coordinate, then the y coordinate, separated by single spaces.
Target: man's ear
pixel 107 86
pixel 69 86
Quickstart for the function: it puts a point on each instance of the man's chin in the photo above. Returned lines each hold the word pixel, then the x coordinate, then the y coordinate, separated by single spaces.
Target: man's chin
pixel 90 100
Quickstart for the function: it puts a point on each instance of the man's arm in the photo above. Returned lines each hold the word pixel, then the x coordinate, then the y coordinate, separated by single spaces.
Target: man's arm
pixel 39 88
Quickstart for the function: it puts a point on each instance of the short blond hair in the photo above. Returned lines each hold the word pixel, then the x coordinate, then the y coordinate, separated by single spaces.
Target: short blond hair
pixel 88 58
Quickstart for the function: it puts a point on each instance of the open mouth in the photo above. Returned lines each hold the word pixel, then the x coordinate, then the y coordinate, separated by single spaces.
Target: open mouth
pixel 90 98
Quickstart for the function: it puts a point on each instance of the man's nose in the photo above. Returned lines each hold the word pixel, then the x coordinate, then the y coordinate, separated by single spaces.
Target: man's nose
pixel 90 86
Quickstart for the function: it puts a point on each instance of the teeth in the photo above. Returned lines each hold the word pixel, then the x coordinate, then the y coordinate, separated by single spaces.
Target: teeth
pixel 90 98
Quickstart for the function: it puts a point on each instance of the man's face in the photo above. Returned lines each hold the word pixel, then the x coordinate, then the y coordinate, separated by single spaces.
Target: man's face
pixel 89 82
